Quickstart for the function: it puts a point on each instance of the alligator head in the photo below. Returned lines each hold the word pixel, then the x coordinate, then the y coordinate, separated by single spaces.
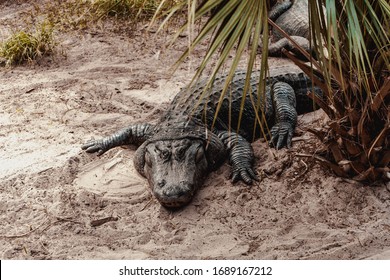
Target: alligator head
pixel 176 168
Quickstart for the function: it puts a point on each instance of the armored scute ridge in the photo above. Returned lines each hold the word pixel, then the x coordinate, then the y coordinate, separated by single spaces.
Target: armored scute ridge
pixel 177 153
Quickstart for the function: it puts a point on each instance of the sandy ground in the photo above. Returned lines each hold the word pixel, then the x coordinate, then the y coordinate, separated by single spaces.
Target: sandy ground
pixel 55 198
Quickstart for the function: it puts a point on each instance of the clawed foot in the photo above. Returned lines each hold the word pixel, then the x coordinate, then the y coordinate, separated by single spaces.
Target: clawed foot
pixel 95 146
pixel 281 135
pixel 244 173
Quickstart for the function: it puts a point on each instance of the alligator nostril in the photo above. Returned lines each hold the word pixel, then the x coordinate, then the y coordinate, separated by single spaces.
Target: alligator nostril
pixel 181 190
pixel 161 183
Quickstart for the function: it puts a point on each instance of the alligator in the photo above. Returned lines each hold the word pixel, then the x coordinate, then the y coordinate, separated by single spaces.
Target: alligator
pixel 293 18
pixel 187 143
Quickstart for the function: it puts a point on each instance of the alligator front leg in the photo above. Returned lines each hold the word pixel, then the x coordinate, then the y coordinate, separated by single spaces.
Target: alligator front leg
pixel 240 156
pixel 133 134
pixel 284 102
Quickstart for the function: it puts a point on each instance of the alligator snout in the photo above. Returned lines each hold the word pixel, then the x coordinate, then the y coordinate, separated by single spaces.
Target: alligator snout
pixel 175 195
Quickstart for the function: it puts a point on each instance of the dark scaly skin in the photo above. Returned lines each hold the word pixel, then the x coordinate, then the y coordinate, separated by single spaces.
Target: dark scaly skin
pixel 293 18
pixel 278 9
pixel 294 21
pixel 177 153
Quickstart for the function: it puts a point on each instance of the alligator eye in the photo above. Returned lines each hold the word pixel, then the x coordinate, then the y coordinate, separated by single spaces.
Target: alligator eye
pixel 199 154
pixel 148 160
pixel 180 153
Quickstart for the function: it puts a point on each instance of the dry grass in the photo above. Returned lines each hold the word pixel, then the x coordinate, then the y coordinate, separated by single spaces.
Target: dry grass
pixel 25 46
pixel 68 15
pixel 128 9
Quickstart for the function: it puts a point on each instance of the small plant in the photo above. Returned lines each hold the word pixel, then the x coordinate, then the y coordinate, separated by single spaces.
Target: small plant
pixel 24 46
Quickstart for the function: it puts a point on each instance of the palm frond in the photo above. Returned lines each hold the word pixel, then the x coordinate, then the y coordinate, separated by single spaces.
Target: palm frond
pixel 236 27
pixel 351 43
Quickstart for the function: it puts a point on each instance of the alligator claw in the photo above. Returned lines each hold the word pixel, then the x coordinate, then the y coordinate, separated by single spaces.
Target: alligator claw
pixel 281 135
pixel 246 174
pixel 94 146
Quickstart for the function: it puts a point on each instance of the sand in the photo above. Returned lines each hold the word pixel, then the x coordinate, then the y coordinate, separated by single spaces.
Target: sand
pixel 58 202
